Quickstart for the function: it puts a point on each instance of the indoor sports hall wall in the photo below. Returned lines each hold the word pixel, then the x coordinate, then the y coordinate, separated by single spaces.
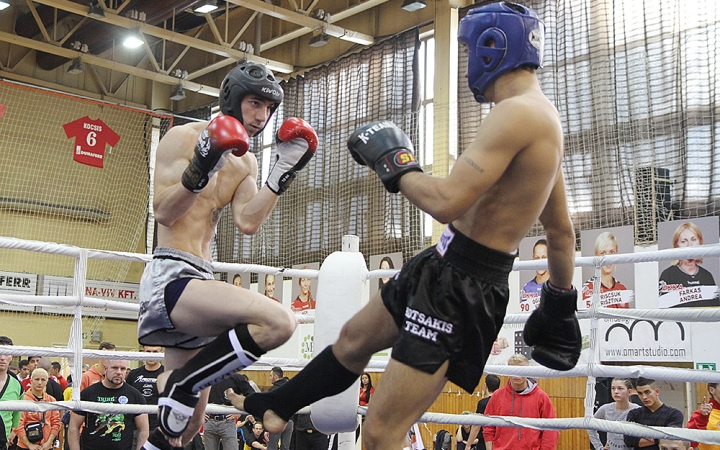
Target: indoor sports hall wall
pixel 75 172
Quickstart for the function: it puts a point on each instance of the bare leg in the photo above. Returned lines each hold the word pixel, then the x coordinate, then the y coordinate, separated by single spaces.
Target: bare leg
pixel 370 330
pixel 401 397
pixel 246 325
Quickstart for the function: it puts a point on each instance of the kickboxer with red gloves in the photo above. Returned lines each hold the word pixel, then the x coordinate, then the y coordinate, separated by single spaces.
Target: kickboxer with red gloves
pixel 211 329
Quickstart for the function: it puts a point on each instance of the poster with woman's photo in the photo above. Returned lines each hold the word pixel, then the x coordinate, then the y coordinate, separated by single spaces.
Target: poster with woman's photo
pixel 384 262
pixel 239 279
pixel 688 282
pixel 617 281
pixel 271 286
pixel 532 248
pixel 304 289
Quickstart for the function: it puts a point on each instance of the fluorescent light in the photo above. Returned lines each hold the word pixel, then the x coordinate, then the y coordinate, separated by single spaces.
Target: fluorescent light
pixel 206 7
pixel 177 93
pixel 413 5
pixel 76 67
pixel 132 40
pixel 319 40
pixel 3 5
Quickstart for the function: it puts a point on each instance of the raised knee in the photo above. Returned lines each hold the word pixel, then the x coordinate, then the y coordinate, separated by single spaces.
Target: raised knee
pixel 280 330
pixel 370 438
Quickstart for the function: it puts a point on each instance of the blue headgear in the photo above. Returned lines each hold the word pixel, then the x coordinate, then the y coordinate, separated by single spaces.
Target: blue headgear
pixel 518 37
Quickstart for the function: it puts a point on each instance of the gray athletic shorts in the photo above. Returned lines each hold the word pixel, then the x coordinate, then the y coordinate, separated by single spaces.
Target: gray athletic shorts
pixel 154 324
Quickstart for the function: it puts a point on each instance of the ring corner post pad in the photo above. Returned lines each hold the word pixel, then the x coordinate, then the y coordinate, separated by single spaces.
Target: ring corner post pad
pixel 341 284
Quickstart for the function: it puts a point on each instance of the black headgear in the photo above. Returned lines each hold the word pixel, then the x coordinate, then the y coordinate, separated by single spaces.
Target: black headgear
pixel 245 79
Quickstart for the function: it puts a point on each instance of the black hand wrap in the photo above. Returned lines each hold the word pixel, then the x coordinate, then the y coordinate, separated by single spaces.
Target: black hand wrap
pixel 553 329
pixel 386 149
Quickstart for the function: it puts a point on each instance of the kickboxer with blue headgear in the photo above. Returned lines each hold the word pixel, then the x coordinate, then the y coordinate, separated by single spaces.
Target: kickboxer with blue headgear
pixel 500 37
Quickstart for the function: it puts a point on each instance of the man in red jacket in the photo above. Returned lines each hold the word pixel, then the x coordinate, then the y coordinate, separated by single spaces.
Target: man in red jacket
pixel 707 417
pixel 521 397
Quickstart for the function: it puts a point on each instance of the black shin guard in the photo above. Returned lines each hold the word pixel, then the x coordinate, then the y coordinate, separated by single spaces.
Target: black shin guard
pixel 224 356
pixel 228 353
pixel 156 441
pixel 323 377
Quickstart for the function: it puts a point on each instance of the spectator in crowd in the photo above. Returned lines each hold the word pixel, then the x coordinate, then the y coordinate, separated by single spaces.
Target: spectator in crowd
pixel 306 436
pixel 56 371
pixel 462 437
pixel 13 370
pixel 256 440
pixel 707 417
pixel 10 389
pixel 53 387
pixel 277 377
pixel 23 369
pixel 144 379
pixel 668 444
pixel 521 397
pixel 49 421
pixel 109 431
pixel 653 412
pixel 492 384
pixel 242 429
pixel 221 427
pixel 32 365
pixel 97 371
pixel 618 410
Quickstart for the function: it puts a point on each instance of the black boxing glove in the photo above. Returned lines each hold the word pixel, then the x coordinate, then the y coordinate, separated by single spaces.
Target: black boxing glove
pixel 553 329
pixel 384 147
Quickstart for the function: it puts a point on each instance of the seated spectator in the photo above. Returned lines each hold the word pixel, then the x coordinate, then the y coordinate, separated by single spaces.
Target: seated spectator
pixel 653 413
pixel 462 435
pixel 50 420
pixel 708 416
pixel 618 410
pixel 256 440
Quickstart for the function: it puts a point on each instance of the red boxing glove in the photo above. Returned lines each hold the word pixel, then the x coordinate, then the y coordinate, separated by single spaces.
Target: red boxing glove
pixel 297 145
pixel 224 134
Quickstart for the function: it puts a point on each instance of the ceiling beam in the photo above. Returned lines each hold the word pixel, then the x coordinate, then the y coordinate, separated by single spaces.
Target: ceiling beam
pixel 68 89
pixel 335 17
pixel 124 22
pixel 305 21
pixel 106 63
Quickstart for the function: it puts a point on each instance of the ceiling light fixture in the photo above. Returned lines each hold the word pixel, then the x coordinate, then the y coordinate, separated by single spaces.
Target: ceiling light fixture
pixel 96 10
pixel 3 5
pixel 320 39
pixel 76 67
pixel 177 93
pixel 206 6
pixel 133 40
pixel 413 5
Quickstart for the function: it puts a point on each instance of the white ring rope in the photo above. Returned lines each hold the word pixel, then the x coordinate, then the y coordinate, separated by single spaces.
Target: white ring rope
pixel 590 370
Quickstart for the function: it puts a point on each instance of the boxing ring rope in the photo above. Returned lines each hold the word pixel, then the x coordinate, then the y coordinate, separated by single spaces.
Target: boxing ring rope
pixel 74 352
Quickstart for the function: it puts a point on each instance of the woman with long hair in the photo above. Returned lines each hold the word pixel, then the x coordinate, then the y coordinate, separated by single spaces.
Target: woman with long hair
pixel 49 421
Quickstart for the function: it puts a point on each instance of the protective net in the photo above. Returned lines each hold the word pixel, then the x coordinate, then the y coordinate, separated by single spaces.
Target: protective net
pixel 334 196
pixel 76 173
pixel 636 88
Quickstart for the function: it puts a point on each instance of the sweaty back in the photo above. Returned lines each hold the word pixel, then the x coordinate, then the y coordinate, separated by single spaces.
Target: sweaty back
pixel 500 37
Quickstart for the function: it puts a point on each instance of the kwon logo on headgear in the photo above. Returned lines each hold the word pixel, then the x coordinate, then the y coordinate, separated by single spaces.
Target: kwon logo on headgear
pixel 273 92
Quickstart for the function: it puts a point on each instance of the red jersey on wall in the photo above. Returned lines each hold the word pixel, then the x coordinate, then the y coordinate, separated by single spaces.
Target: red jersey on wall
pixel 91 136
